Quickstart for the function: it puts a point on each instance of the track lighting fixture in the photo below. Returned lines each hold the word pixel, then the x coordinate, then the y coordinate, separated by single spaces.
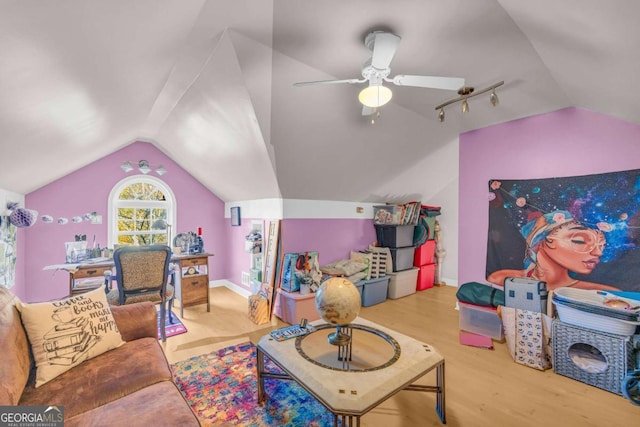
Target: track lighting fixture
pixel 143 166
pixel 467 92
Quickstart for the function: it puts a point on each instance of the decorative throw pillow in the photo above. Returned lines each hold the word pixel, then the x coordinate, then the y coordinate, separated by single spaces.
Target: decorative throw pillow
pixel 66 332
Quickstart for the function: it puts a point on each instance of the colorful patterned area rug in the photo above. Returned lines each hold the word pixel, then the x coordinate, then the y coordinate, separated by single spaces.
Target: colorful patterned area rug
pixel 221 388
pixel 171 329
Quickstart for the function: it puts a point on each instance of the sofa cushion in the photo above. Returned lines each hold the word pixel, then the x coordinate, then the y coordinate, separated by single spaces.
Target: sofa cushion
pixel 16 363
pixel 66 332
pixel 103 379
pixel 161 404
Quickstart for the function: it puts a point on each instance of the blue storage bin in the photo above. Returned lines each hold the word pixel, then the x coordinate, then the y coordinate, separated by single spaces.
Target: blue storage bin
pixel 373 291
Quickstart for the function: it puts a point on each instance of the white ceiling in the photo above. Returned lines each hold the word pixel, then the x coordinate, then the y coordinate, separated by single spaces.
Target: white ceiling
pixel 210 84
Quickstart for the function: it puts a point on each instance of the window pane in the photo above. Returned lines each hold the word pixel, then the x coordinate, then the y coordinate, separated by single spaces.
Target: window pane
pixel 138 207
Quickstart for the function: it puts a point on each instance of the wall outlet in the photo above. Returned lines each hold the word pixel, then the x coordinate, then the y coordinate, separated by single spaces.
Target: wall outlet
pixel 245 278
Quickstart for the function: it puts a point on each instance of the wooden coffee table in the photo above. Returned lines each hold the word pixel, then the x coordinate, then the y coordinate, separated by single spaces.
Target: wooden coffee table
pixel 350 382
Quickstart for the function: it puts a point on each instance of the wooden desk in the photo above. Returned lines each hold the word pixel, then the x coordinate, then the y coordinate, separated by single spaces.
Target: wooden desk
pixel 191 279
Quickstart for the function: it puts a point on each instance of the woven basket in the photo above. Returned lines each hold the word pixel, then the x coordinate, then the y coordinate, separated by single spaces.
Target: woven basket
pixel 618 354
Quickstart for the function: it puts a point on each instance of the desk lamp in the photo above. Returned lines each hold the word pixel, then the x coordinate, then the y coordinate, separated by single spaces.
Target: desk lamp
pixel 161 224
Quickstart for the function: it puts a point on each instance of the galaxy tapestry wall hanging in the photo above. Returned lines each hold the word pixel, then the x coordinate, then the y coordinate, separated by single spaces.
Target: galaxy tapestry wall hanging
pixel 581 231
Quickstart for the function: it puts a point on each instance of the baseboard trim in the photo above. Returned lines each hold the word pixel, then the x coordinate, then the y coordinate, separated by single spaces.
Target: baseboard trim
pixel 231 286
pixel 246 293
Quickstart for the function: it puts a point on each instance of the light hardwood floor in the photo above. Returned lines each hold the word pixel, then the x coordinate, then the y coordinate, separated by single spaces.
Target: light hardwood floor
pixel 483 387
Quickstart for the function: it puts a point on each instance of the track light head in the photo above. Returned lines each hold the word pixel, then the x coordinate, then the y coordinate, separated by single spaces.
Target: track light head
pixel 493 98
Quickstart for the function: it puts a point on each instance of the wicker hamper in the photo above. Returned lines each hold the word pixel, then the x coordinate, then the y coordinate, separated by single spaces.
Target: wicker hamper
pixel 618 352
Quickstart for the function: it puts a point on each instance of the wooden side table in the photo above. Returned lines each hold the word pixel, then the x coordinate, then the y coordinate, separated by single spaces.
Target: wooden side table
pixel 192 280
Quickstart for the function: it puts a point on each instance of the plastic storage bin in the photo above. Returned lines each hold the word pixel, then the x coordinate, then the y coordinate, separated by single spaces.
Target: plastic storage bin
pixel 394 236
pixel 402 283
pixel 426 277
pixel 291 306
pixel 373 291
pixel 424 254
pixel 402 258
pixel 610 355
pixel 480 320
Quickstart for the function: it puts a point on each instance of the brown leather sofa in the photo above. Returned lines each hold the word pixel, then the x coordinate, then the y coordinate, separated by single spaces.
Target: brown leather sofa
pixel 131 385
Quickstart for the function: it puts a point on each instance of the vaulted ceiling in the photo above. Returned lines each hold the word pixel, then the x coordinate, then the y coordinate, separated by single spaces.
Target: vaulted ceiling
pixel 210 83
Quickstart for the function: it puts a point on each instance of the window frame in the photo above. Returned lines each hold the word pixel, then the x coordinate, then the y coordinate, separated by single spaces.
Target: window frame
pixel 115 203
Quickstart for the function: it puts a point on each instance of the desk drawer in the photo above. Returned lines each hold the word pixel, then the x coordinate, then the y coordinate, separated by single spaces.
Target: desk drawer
pixel 194 290
pixel 193 261
pixel 88 272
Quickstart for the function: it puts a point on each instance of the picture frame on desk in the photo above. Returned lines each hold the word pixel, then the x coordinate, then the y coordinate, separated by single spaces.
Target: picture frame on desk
pixel 235 216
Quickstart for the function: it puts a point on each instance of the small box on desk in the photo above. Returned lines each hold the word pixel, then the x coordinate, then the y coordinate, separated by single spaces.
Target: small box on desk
pixel 424 254
pixel 292 306
pixel 394 236
pixel 426 277
pixel 373 291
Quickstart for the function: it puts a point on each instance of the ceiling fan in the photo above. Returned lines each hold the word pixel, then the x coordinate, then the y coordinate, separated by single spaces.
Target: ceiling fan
pixel 376 70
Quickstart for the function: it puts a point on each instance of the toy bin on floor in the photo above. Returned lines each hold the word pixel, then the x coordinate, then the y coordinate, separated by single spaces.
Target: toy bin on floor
pixel 600 359
pixel 480 320
pixel 394 236
pixel 402 283
pixel 291 306
pixel 373 291
pixel 426 277
pixel 402 258
pixel 424 254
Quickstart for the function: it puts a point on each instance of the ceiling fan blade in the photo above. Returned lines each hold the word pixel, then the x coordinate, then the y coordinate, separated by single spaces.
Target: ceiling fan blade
pixel 384 48
pixel 322 82
pixel 448 83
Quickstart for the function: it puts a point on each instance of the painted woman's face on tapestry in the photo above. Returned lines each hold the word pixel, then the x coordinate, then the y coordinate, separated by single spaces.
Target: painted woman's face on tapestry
pixel 575 247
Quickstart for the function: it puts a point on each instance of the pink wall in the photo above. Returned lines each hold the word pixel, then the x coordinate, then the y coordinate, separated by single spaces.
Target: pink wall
pixel 87 190
pixel 567 142
pixel 333 239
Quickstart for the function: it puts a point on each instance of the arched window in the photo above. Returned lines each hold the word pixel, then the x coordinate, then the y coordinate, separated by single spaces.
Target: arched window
pixel 141 211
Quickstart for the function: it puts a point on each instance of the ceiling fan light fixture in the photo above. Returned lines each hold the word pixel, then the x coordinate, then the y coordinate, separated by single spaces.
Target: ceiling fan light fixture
pixel 375 96
pixel 441 115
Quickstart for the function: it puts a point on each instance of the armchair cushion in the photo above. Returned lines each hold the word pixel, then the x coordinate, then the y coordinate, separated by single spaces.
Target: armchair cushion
pixel 67 332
